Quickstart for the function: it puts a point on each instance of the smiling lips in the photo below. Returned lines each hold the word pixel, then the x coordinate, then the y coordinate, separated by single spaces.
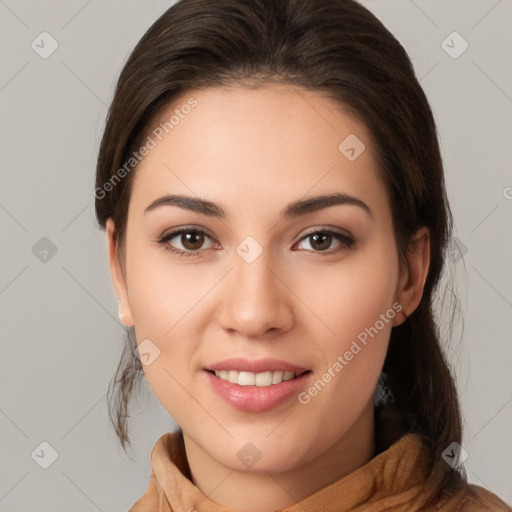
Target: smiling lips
pixel 256 386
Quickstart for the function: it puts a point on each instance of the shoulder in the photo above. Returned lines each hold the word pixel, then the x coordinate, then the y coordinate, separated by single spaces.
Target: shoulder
pixel 480 499
pixel 473 499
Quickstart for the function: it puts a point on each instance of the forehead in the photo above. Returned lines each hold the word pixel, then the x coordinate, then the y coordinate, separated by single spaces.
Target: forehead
pixel 258 148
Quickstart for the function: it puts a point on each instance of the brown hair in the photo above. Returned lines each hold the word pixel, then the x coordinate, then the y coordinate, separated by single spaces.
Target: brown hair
pixel 339 48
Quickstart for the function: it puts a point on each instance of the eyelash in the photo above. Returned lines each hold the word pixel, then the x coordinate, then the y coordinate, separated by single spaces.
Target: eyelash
pixel 347 242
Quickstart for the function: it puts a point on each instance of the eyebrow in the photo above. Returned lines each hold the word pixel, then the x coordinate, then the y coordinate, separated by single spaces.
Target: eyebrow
pixel 292 210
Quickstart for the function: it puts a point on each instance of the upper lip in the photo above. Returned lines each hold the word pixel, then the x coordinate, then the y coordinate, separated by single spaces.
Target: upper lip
pixel 255 366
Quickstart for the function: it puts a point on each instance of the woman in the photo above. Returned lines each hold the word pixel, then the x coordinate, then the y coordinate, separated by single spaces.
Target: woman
pixel 272 190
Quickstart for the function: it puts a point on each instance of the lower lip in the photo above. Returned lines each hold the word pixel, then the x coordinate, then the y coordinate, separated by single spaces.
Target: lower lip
pixel 256 398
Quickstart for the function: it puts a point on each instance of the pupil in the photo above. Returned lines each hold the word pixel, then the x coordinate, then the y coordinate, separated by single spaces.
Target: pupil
pixel 188 242
pixel 324 236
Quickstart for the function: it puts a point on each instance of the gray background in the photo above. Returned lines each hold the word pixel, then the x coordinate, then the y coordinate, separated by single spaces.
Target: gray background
pixel 61 338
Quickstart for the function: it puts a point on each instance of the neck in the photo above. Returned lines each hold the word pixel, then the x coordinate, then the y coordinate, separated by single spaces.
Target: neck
pixel 262 492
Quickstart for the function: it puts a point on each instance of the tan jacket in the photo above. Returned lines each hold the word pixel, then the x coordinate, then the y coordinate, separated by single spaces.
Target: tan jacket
pixel 393 481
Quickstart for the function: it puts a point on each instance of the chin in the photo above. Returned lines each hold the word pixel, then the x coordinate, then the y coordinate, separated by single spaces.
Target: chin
pixel 256 454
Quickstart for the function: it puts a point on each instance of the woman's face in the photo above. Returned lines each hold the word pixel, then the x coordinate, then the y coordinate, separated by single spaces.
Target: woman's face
pixel 313 290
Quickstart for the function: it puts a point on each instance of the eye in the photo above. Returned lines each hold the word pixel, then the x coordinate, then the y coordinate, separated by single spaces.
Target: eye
pixel 191 241
pixel 322 239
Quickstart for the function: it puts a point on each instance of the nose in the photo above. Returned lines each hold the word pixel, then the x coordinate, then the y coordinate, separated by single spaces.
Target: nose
pixel 256 303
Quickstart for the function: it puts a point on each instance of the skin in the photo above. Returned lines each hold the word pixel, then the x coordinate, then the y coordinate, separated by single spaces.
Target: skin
pixel 252 152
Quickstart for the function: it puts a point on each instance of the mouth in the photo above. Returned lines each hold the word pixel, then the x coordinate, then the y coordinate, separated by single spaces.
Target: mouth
pixel 257 385
pixel 261 379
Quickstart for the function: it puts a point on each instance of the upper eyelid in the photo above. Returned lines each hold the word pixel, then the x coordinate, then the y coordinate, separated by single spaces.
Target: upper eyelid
pixel 179 231
pixel 337 231
pixel 188 229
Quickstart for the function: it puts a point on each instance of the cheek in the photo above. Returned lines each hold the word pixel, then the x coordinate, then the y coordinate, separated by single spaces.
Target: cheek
pixel 357 307
pixel 165 300
pixel 161 291
pixel 355 301
pixel 351 296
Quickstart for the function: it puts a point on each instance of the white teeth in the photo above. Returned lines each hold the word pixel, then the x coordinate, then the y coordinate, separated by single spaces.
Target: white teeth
pixel 277 377
pixel 246 378
pixel 263 379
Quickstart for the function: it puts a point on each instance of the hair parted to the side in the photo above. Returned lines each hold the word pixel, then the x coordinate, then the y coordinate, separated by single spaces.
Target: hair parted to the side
pixel 338 48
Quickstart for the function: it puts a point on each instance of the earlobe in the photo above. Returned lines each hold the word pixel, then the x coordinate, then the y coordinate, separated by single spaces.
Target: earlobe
pixel 117 275
pixel 414 277
pixel 125 318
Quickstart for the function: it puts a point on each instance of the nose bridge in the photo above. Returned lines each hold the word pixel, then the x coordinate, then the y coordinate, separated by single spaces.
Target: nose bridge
pixel 256 300
pixel 253 274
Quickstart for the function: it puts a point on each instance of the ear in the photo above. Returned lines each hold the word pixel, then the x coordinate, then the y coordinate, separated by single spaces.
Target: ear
pixel 412 280
pixel 117 275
